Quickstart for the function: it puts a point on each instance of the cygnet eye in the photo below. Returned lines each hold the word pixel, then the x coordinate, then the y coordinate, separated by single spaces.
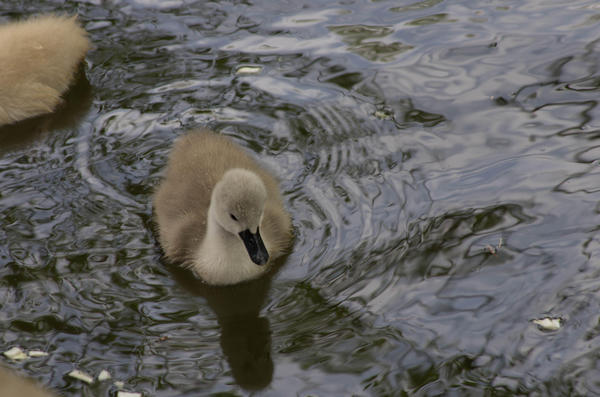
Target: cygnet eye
pixel 233 217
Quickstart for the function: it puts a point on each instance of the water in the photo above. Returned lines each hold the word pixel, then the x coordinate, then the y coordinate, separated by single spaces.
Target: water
pixel 438 158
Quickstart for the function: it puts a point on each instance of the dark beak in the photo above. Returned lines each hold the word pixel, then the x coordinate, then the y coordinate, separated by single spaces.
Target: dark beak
pixel 255 247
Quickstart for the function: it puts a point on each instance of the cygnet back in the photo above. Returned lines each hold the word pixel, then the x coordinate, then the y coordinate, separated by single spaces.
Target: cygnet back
pixel 38 61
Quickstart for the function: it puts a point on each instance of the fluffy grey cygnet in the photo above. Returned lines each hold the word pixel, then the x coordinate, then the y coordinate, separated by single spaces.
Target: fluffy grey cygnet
pixel 218 211
pixel 38 61
pixel 12 384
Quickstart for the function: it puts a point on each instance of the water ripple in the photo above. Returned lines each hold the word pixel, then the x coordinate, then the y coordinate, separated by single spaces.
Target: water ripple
pixel 438 160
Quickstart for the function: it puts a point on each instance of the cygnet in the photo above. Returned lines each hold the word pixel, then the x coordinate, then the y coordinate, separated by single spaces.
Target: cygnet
pixel 218 211
pixel 38 62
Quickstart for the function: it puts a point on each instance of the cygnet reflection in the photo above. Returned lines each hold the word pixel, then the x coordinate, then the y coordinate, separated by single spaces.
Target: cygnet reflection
pixel 245 334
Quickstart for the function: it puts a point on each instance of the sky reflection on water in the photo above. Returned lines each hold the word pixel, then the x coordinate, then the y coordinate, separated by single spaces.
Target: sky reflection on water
pixel 409 139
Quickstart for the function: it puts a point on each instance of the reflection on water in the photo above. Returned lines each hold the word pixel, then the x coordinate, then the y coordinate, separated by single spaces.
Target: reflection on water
pixel 245 334
pixel 438 159
pixel 355 36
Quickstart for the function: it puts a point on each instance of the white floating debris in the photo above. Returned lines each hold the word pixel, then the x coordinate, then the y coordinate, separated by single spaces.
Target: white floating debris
pixel 104 375
pixel 548 324
pixel 82 376
pixel 382 115
pixel 15 353
pixel 36 353
pixel 494 249
pixel 119 384
pixel 128 394
pixel 248 70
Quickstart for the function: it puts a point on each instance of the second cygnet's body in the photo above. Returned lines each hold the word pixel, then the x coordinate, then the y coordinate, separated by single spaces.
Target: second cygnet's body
pixel 218 211
pixel 38 61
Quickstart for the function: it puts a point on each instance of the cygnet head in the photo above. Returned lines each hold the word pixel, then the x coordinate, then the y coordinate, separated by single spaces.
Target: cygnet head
pixel 238 202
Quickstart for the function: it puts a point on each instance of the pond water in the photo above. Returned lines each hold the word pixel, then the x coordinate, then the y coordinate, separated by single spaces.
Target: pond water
pixel 439 161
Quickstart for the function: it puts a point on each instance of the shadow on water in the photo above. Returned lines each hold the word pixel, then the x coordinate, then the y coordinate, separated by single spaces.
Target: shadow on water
pixel 245 334
pixel 76 102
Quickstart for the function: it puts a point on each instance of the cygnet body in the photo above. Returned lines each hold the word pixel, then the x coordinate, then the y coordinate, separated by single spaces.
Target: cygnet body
pixel 38 61
pixel 12 384
pixel 218 211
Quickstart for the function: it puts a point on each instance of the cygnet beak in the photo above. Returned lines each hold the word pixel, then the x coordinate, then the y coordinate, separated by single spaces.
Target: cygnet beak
pixel 255 246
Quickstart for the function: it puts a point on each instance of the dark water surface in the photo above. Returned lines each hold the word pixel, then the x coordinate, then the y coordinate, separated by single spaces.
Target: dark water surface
pixel 440 160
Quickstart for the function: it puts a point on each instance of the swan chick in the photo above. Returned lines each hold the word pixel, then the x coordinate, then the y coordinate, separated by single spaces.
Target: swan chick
pixel 218 212
pixel 38 60
pixel 13 384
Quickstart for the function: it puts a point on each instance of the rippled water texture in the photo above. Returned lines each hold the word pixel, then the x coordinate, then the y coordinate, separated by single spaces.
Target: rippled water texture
pixel 439 160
